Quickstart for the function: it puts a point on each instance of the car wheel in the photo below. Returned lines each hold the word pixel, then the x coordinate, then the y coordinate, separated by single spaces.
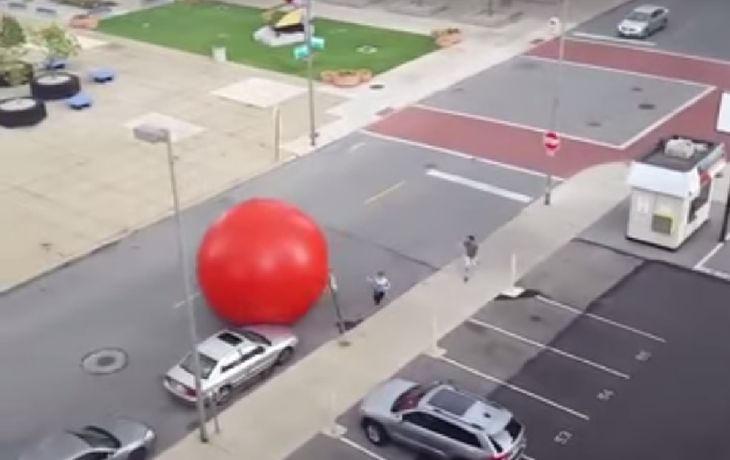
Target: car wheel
pixel 375 432
pixel 138 454
pixel 223 395
pixel 284 356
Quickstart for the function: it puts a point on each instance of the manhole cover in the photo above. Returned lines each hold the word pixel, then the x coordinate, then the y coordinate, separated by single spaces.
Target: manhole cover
pixel 647 106
pixel 594 124
pixel 535 318
pixel 104 361
pixel 377 86
pixel 367 49
pixel 637 89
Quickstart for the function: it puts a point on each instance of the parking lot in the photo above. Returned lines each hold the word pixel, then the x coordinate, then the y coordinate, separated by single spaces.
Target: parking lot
pixel 589 378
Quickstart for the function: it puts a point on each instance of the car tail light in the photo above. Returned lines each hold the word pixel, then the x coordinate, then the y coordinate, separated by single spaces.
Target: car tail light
pixel 188 391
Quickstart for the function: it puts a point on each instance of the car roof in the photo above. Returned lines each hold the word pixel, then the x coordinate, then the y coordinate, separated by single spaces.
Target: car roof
pixel 478 412
pixel 648 9
pixel 225 343
pixel 56 446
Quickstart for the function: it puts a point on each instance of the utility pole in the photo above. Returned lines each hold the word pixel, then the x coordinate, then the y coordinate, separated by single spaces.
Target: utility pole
pixel 559 28
pixel 310 71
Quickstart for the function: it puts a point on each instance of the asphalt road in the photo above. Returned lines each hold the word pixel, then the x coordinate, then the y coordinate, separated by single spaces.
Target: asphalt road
pixel 696 27
pixel 383 205
pixel 633 363
pixel 520 91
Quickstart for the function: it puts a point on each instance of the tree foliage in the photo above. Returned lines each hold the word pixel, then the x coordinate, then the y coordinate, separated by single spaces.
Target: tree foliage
pixel 11 32
pixel 56 41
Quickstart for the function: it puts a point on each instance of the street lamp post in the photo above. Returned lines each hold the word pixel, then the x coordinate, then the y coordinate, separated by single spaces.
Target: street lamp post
pixel 558 25
pixel 310 71
pixel 156 135
pixel 341 325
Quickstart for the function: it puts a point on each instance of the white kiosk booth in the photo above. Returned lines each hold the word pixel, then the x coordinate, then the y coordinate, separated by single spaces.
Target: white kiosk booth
pixel 670 190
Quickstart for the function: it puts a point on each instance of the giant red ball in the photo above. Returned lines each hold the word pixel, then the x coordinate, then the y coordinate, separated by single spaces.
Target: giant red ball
pixel 263 261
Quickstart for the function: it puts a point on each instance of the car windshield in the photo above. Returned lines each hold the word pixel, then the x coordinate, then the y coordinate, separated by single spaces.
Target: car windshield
pixel 638 16
pixel 255 337
pixel 410 398
pixel 97 438
pixel 207 364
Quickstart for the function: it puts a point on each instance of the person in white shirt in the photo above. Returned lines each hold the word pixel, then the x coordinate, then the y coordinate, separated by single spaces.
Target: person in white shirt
pixel 381 286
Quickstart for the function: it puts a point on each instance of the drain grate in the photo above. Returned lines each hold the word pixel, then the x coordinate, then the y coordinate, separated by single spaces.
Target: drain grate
pixel 647 106
pixel 377 86
pixel 594 124
pixel 637 89
pixel 104 361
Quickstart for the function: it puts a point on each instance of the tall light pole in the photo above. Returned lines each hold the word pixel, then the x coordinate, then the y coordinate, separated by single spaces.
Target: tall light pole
pixel 310 71
pixel 558 26
pixel 157 135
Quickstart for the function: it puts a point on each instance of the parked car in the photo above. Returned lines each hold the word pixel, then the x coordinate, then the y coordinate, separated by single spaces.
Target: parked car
pixel 229 359
pixel 643 21
pixel 121 439
pixel 441 421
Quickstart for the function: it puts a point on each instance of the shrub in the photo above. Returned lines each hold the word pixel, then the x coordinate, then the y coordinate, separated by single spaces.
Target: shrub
pixel 11 33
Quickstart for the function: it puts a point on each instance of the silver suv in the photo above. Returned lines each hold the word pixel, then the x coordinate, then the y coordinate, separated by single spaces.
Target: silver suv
pixel 442 421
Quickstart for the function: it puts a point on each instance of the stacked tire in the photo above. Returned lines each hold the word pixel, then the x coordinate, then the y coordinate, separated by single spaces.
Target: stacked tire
pixel 54 86
pixel 21 112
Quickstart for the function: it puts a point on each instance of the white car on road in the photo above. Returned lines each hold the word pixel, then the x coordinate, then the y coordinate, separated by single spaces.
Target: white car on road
pixel 229 359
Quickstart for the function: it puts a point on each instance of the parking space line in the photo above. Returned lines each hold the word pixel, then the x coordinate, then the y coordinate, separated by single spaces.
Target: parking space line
pixel 542 399
pixel 701 264
pixel 360 448
pixel 477 185
pixel 554 350
pixel 511 124
pixel 602 319
pixel 454 153
pixel 608 38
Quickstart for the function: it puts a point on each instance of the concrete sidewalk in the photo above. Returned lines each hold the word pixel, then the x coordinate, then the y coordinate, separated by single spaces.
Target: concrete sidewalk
pixel 305 399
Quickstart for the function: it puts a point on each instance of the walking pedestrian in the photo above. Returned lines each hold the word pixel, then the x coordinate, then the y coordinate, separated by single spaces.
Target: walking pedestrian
pixel 381 285
pixel 471 249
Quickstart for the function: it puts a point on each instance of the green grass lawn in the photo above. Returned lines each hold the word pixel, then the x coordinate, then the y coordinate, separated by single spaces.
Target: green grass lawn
pixel 198 27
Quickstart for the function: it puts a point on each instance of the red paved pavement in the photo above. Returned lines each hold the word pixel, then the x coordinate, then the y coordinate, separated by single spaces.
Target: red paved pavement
pixel 523 148
pixel 651 62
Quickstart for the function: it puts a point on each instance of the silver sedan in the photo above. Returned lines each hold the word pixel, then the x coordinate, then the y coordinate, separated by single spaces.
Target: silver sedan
pixel 120 439
pixel 231 358
pixel 643 21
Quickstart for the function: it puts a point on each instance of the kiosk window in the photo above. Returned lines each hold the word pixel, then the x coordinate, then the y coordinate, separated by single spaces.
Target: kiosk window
pixel 661 224
pixel 698 202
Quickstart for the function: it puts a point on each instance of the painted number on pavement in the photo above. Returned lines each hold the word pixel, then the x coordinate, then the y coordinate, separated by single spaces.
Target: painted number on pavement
pixel 563 437
pixel 605 394
pixel 643 355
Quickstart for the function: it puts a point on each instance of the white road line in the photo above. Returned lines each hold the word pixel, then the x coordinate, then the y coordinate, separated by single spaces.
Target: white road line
pixel 512 387
pixel 382 194
pixel 621 71
pixel 182 302
pixel 608 38
pixel 511 124
pixel 701 264
pixel 527 457
pixel 360 448
pixel 668 53
pixel 602 319
pixel 554 350
pixel 481 186
pixel 357 146
pixel 422 145
pixel 667 117
pixel 716 273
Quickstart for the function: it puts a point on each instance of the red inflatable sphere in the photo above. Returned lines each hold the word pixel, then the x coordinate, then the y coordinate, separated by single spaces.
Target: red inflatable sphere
pixel 264 261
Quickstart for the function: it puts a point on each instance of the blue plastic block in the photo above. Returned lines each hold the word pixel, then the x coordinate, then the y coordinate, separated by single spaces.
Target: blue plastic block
pixel 102 75
pixel 79 101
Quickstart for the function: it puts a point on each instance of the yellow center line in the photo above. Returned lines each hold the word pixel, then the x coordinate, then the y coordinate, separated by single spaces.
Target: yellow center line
pixel 384 193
